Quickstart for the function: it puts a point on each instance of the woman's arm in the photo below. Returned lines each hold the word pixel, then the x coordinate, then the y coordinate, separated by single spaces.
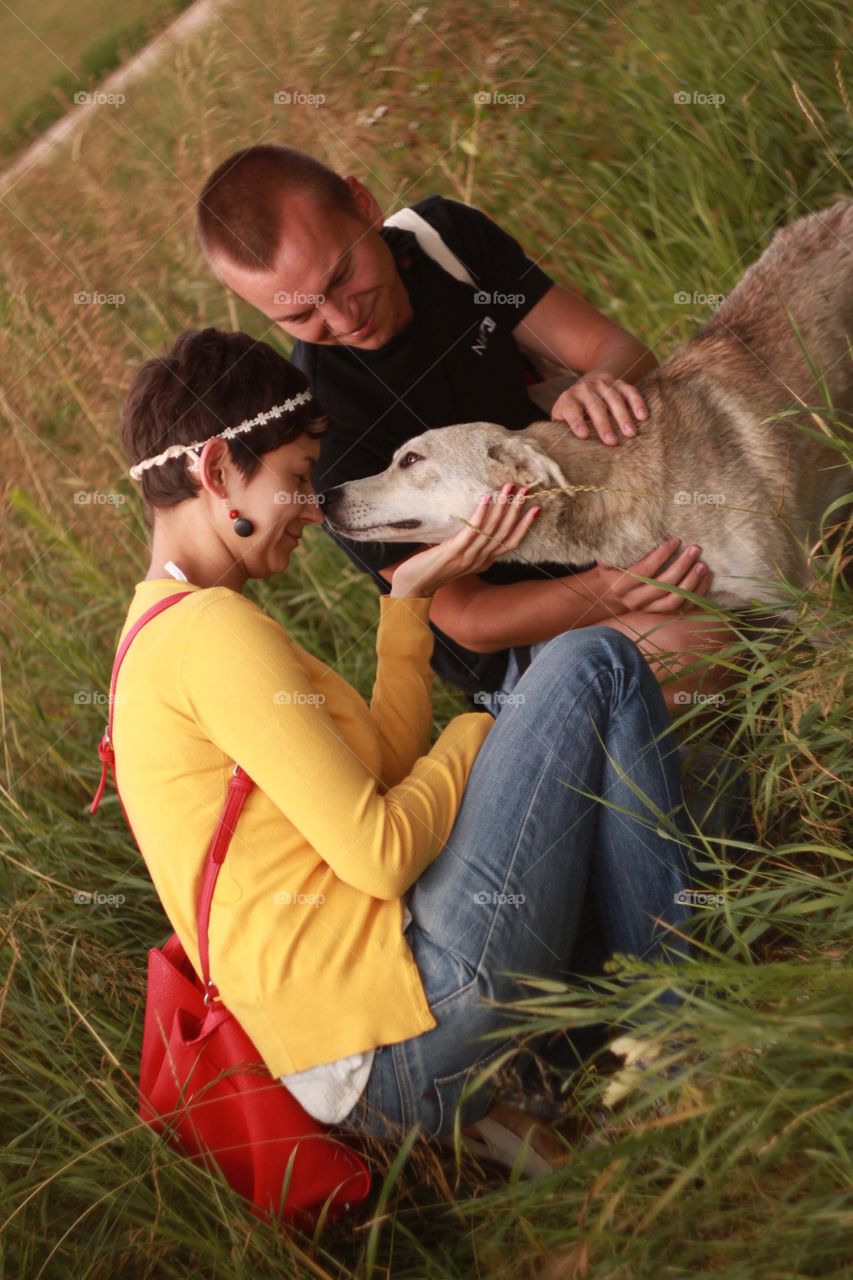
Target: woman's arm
pixel 401 702
pixel 250 695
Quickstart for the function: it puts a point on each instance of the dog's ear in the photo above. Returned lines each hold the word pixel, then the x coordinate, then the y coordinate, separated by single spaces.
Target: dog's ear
pixel 529 462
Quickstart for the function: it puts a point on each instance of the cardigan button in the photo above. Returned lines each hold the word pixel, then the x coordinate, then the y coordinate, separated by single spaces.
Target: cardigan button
pixel 429 1093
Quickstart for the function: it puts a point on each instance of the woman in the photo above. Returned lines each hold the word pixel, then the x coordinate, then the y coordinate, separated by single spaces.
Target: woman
pixel 376 889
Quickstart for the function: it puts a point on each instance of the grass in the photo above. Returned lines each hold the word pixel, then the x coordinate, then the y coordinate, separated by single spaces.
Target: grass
pixel 633 199
pixel 51 54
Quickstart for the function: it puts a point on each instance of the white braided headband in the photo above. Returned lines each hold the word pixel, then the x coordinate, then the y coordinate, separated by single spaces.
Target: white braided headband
pixel 177 450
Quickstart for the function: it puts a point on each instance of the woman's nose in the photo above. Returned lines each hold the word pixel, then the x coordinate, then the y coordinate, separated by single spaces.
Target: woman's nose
pixel 314 512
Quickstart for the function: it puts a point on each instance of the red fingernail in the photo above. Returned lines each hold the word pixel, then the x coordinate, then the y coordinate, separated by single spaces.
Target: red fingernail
pixel 536 511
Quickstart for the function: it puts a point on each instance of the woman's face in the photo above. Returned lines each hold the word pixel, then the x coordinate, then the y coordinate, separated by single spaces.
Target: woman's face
pixel 279 500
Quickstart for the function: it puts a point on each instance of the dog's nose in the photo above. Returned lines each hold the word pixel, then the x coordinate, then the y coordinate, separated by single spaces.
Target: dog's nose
pixel 331 498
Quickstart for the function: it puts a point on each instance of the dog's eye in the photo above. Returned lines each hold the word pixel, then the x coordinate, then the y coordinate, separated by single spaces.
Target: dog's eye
pixel 408 458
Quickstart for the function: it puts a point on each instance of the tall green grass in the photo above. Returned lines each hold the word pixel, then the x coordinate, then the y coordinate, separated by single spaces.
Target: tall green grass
pixel 741 1166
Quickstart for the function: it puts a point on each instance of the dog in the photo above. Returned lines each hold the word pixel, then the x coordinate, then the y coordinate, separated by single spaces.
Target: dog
pixel 736 456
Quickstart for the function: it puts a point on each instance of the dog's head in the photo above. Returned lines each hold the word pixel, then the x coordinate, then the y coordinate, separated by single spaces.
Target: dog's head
pixel 436 480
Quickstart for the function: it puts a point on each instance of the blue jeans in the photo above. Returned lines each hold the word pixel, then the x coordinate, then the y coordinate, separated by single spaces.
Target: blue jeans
pixel 516 665
pixel 508 890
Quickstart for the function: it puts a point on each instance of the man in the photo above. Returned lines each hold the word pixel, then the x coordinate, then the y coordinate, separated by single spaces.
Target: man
pixel 393 343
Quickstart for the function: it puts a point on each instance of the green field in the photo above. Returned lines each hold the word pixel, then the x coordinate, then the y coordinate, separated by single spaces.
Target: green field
pixel 630 197
pixel 52 51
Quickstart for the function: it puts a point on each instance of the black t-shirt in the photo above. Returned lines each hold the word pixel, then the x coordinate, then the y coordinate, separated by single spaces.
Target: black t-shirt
pixel 456 361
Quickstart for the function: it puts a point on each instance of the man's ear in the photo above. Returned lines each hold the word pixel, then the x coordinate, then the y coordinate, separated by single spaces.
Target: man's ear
pixel 530 463
pixel 364 201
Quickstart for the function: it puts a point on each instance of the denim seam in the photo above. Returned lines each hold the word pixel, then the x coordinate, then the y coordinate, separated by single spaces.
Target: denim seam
pixel 473 1068
pixel 404 1085
pixel 632 685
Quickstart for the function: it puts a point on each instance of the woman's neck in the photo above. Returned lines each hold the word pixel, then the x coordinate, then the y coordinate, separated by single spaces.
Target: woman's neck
pixel 203 559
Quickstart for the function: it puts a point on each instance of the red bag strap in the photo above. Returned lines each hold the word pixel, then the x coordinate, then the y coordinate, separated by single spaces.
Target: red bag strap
pixel 105 746
pixel 239 787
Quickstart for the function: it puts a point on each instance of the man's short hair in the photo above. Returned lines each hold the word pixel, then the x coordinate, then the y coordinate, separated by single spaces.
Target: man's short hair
pixel 239 211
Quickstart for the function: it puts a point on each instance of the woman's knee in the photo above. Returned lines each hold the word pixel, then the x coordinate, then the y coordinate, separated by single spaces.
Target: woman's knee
pixel 590 650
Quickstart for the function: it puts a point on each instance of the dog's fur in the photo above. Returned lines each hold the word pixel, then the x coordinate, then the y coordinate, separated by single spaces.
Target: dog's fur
pixel 721 461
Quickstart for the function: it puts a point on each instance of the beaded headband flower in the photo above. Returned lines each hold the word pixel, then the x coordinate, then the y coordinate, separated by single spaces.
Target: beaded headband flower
pixel 177 450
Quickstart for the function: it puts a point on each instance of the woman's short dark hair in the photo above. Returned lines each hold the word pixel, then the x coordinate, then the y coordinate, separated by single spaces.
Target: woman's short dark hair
pixel 211 380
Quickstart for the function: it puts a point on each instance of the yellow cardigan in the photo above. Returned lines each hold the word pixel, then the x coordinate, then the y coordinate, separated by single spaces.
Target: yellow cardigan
pixel 350 806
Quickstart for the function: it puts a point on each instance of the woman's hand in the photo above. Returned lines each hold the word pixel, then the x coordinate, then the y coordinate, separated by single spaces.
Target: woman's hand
pixel 623 594
pixel 499 523
pixel 606 401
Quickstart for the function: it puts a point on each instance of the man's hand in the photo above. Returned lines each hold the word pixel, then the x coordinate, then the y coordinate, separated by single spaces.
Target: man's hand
pixel 569 331
pixel 608 403
pixel 623 594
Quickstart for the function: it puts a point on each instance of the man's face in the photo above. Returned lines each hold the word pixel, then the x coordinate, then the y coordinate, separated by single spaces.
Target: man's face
pixel 333 282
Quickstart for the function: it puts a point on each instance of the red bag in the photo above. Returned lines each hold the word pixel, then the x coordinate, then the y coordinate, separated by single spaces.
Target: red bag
pixel 202 1082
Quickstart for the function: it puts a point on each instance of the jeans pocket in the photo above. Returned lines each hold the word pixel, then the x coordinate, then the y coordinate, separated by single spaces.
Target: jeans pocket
pixel 443 974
